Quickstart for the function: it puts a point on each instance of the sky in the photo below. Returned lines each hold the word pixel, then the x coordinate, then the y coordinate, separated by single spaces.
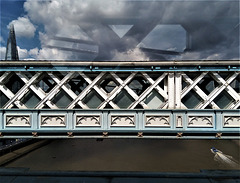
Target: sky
pixel 125 30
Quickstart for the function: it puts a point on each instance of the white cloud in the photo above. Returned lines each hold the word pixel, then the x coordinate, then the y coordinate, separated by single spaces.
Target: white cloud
pixel 61 17
pixel 131 55
pixel 23 27
pixel 33 52
pixel 74 17
pixel 215 56
pixel 42 54
pixel 81 19
pixel 1 40
pixel 189 56
pixel 69 19
pixel 52 54
pixel 22 53
pixel 2 53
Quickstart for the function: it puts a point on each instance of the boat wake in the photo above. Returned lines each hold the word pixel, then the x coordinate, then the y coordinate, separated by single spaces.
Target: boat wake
pixel 224 160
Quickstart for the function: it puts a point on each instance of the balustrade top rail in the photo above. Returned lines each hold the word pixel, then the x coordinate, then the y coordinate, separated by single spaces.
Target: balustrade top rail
pixel 119 63
pixel 177 65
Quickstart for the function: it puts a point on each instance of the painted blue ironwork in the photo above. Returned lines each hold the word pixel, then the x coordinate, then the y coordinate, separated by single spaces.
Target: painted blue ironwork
pixel 119 99
pixel 149 66
pixel 67 122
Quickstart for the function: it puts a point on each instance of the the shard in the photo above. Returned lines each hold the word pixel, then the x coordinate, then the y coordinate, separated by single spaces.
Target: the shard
pixel 12 52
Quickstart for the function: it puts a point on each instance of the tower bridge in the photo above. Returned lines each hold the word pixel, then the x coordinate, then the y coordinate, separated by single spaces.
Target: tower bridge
pixel 119 100
pixel 155 99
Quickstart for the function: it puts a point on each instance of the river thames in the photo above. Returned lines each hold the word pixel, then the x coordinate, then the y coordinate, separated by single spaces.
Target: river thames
pixel 151 155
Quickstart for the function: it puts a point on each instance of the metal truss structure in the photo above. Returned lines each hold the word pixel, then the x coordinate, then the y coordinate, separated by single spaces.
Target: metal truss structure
pixel 149 99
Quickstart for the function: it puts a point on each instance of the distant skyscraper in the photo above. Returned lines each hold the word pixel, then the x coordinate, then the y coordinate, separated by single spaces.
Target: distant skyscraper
pixel 12 52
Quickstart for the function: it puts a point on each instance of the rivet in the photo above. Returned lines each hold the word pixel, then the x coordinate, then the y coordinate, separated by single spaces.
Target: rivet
pixel 140 134
pixel 179 134
pixel 70 134
pixel 34 134
pixel 105 134
pixel 218 135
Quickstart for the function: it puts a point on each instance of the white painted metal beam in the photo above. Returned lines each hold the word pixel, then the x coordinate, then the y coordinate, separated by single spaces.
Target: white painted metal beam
pixel 85 91
pixel 171 90
pixel 54 91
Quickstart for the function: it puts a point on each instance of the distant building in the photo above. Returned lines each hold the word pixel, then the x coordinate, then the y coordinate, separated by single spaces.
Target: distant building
pixel 12 52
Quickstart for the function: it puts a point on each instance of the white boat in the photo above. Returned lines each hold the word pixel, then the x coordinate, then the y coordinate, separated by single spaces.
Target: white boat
pixel 224 159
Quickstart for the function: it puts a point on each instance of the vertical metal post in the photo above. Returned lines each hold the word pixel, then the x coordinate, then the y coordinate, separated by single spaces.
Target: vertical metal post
pixel 35 120
pixel 218 120
pixel 70 120
pixel 178 89
pixel 1 120
pixel 171 90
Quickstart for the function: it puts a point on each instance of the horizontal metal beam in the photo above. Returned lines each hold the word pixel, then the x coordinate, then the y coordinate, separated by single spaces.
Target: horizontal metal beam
pixel 120 63
pixel 130 175
pixel 76 136
pixel 188 65
pixel 183 124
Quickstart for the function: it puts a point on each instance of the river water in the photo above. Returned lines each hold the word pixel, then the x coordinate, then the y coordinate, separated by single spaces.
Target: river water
pixel 127 155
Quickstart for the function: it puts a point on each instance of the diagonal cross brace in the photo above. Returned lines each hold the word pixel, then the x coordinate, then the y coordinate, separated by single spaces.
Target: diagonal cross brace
pixel 68 91
pixel 229 89
pixel 4 76
pixel 3 88
pixel 117 89
pixel 21 92
pixel 235 105
pixel 101 92
pixel 37 90
pixel 128 89
pixel 193 85
pixel 147 91
pixel 85 91
pixel 217 90
pixel 8 93
pixel 158 88
pixel 54 91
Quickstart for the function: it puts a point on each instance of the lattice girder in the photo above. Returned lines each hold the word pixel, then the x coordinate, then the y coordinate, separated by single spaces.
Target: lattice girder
pixel 208 99
pixel 171 91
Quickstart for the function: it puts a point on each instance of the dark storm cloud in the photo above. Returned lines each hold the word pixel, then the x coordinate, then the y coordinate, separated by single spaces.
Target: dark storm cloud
pixel 212 26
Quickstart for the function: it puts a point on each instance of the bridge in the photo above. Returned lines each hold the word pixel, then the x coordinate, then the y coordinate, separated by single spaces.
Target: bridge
pixel 99 99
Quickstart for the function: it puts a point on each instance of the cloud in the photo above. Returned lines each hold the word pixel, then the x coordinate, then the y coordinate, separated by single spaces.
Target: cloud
pixel 1 40
pixel 2 53
pixel 131 55
pixel 210 25
pixel 23 27
pixel 22 53
pixel 42 54
pixel 51 54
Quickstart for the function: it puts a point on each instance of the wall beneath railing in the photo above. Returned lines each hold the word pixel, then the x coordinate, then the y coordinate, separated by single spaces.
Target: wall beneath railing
pixel 125 123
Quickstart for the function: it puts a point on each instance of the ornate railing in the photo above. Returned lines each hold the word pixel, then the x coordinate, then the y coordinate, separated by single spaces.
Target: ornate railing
pixel 179 96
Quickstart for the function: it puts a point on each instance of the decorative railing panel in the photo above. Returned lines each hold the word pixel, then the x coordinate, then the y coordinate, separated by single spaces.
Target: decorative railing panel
pixel 148 123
